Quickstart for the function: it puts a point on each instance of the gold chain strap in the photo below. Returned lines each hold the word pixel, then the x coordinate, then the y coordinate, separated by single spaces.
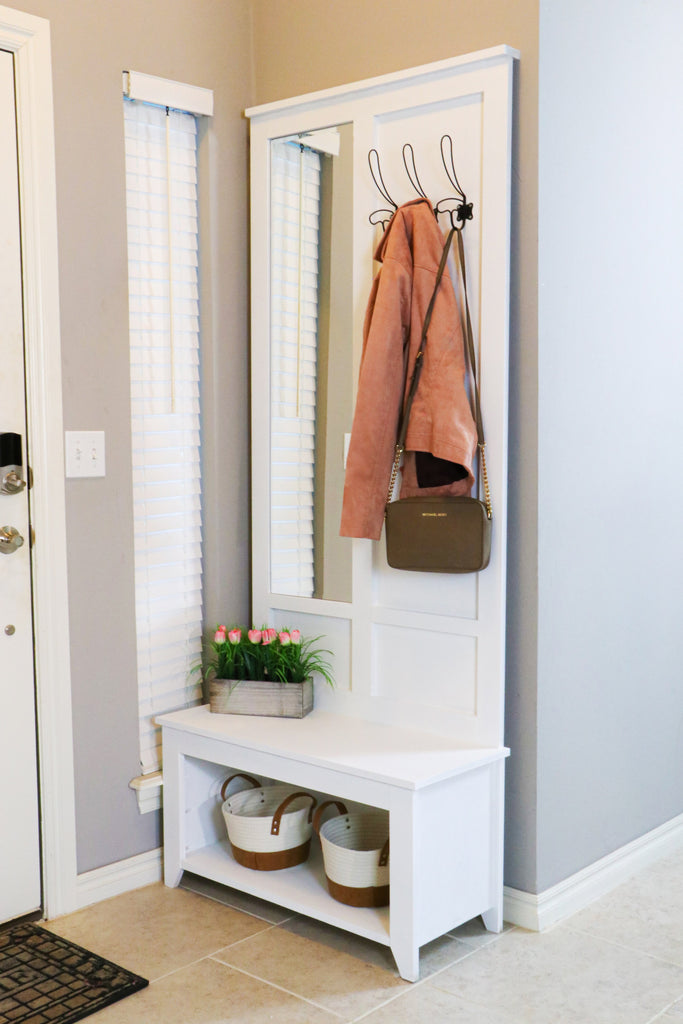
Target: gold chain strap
pixel 485 477
pixel 397 458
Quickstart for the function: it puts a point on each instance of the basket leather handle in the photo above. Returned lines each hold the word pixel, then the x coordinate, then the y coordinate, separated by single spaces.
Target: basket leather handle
pixel 275 824
pixel 239 775
pixel 341 807
pixel 384 855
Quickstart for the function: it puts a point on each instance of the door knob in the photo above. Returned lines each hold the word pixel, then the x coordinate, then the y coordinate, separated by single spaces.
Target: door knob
pixel 12 483
pixel 10 540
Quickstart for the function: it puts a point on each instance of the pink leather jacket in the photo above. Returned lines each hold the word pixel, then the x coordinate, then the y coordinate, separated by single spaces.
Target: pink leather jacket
pixel 441 421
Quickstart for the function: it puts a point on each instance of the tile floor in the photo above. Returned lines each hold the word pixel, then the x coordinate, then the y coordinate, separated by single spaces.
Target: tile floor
pixel 620 961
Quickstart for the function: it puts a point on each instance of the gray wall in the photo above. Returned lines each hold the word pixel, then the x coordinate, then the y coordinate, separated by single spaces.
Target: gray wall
pixel 207 43
pixel 610 652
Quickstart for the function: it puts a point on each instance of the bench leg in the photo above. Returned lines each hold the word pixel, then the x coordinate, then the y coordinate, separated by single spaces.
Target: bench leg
pixel 493 918
pixel 403 868
pixel 407 957
pixel 174 812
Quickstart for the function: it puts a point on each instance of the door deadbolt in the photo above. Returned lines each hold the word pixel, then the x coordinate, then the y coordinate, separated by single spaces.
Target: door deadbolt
pixel 10 540
pixel 11 464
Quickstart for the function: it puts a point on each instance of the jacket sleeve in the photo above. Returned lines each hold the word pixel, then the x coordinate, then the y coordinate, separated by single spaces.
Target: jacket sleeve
pixel 380 389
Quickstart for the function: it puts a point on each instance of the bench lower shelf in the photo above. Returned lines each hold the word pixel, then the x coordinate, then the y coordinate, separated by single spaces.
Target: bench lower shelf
pixel 302 889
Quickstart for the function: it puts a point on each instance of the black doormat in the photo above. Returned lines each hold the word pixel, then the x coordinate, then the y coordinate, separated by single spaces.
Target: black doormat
pixel 45 979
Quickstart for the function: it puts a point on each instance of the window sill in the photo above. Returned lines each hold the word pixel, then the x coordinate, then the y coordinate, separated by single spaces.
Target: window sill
pixel 148 789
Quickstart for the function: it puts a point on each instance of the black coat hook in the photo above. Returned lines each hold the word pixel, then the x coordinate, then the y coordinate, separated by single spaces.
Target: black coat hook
pixel 457 207
pixel 383 215
pixel 411 170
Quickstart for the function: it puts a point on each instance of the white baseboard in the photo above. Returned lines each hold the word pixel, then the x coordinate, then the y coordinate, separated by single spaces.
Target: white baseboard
pixel 115 879
pixel 542 911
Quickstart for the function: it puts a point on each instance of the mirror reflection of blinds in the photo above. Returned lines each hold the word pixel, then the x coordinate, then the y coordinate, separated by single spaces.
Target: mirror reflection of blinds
pixel 163 256
pixel 295 215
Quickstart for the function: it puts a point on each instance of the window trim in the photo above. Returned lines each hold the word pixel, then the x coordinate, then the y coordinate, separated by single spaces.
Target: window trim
pixel 175 97
pixel 163 92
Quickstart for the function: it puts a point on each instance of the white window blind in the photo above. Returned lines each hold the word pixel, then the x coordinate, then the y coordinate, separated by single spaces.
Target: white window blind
pixel 161 196
pixel 295 216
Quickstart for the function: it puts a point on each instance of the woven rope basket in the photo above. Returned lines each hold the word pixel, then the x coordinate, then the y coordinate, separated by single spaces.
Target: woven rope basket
pixel 269 827
pixel 356 855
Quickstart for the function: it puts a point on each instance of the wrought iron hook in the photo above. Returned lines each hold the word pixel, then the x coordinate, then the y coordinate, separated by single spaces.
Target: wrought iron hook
pixel 381 217
pixel 376 173
pixel 412 174
pixel 461 208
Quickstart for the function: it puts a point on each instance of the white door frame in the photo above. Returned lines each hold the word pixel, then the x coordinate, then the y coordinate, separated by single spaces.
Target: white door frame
pixel 28 37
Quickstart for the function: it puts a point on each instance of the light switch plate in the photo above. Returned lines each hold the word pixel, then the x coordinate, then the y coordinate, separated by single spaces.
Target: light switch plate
pixel 84 450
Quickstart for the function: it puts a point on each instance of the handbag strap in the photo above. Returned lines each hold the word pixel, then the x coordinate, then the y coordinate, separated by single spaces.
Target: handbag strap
pixel 417 370
pixel 471 355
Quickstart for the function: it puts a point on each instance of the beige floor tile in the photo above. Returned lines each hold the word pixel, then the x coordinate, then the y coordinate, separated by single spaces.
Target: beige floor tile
pixel 210 993
pixel 676 1011
pixel 563 976
pixel 426 1004
pixel 156 930
pixel 433 957
pixel 331 978
pixel 645 913
pixel 234 898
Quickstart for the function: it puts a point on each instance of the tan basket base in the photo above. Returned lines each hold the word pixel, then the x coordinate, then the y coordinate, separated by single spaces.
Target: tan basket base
pixel 274 861
pixel 368 896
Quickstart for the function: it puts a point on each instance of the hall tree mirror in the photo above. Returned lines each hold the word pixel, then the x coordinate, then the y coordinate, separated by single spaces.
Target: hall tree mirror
pixel 419 648
pixel 311 360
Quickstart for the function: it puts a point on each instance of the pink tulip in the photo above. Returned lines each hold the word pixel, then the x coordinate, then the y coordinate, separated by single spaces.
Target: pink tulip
pixel 234 636
pixel 295 636
pixel 272 633
pixel 266 638
pixel 284 639
pixel 219 637
pixel 255 636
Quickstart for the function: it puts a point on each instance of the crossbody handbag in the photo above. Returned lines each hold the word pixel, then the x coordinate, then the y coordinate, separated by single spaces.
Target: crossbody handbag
pixel 449 534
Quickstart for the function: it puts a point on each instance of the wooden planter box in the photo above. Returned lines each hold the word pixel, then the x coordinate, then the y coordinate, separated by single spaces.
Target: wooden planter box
pixel 261 697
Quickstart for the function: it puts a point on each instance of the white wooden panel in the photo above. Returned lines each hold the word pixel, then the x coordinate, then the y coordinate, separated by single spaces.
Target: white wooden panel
pixel 204 823
pixel 441 667
pixel 423 125
pixel 432 593
pixel 470 100
pixel 335 636
pixel 426 667
pixel 458 820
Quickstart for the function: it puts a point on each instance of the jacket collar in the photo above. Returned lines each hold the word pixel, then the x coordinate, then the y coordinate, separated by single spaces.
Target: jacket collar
pixel 399 214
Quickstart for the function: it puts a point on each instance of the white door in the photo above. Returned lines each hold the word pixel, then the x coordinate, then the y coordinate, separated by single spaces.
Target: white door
pixel 20 876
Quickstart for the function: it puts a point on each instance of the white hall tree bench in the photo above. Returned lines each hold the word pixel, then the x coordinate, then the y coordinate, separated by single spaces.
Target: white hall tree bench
pixel 414 723
pixel 443 803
